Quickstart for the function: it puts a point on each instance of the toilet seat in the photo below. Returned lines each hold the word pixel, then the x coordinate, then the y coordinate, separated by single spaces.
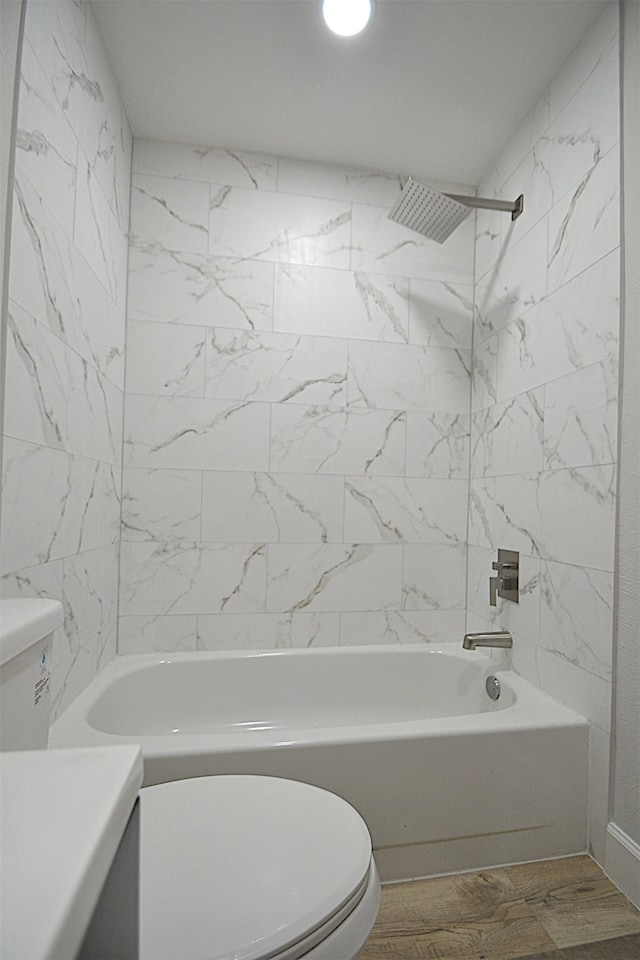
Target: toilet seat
pixel 250 868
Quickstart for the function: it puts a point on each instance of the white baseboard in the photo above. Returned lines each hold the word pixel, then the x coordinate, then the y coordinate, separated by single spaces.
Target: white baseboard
pixel 622 862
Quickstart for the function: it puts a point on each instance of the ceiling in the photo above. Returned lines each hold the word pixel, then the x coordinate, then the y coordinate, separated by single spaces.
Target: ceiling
pixel 432 88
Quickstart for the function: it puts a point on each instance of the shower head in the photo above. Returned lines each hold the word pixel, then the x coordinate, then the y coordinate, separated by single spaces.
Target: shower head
pixel 433 214
pixel 436 215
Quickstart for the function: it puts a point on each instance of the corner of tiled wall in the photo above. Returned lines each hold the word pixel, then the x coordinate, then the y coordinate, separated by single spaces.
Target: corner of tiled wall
pixel 65 353
pixel 544 400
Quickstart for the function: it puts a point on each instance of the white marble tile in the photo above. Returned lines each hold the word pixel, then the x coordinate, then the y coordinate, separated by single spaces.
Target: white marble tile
pixel 381 246
pixel 55 509
pixel 409 377
pixel 272 507
pixel 35 382
pixel 140 634
pixel 51 280
pixel 390 510
pixel 171 214
pixel 268 631
pixel 279 227
pixel 580 690
pixel 584 131
pixel 584 225
pixel 441 314
pixel 98 234
pixel 566 153
pixel 334 577
pixel 106 648
pixel 518 514
pixel 46 147
pixel 507 437
pixel 195 288
pixel 114 327
pixel 107 506
pixel 165 359
pixel 516 282
pixel 104 131
pixel 96 487
pixel 406 626
pixel 90 321
pixel 204 434
pixel 521 143
pixel 90 592
pixel 42 266
pixel 339 303
pixel 576 616
pixel 489 225
pixel 523 656
pixel 352 184
pixel 68 45
pixel 70 678
pixel 437 445
pixel 522 618
pixel 181 161
pixel 434 576
pixel 530 180
pixel 277 367
pixel 192 578
pixel 581 416
pixel 161 504
pixel 327 440
pixel 94 413
pixel 482 501
pixel 484 378
pixel 574 327
pixel 577 508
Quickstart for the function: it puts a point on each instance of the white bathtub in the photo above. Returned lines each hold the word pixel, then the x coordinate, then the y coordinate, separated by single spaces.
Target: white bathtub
pixel 445 778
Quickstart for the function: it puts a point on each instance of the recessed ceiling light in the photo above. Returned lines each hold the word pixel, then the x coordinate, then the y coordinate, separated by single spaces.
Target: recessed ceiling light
pixel 347 17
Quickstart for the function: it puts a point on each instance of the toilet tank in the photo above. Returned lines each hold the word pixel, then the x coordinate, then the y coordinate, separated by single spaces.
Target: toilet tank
pixel 26 637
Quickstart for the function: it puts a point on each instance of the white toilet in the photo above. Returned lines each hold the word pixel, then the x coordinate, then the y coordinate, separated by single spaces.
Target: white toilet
pixel 231 867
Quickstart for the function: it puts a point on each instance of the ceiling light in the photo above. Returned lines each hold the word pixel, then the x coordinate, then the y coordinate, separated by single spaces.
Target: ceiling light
pixel 347 17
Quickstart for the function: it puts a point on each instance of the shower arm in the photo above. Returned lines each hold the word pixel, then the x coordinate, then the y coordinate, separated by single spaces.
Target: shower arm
pixel 514 207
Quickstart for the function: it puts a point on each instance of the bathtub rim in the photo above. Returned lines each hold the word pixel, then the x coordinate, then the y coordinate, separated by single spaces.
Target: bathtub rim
pixel 73 727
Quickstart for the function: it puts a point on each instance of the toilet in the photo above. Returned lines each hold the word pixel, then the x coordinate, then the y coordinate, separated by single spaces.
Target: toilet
pixel 231 867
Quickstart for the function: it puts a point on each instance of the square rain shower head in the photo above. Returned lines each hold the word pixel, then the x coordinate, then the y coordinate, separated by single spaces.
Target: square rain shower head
pixel 433 214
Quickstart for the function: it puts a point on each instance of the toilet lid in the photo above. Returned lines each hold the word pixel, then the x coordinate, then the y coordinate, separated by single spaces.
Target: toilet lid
pixel 242 867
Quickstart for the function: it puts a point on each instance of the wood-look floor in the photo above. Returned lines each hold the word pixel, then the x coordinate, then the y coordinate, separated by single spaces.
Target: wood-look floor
pixel 551 910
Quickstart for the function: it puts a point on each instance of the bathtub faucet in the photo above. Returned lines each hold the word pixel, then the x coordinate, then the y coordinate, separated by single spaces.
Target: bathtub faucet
pixel 502 638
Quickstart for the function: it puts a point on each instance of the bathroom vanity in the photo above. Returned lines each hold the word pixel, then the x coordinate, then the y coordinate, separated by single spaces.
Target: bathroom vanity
pixel 69 853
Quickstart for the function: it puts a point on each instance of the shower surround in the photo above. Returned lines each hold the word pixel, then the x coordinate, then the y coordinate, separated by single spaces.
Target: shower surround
pixel 297 409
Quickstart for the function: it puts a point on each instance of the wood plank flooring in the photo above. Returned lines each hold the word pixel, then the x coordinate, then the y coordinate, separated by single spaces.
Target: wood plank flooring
pixel 550 910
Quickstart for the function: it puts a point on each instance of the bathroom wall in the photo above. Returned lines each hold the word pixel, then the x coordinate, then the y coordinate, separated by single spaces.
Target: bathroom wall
pixel 10 45
pixel 297 409
pixel 65 343
pixel 623 840
pixel 544 401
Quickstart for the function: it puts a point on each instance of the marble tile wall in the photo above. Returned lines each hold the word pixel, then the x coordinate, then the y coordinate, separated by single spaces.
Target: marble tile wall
pixel 64 383
pixel 296 432
pixel 545 391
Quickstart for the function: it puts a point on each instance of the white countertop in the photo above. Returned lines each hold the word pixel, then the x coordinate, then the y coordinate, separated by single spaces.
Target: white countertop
pixel 62 816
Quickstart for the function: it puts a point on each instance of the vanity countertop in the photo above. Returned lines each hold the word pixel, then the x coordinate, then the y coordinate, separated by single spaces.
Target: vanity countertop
pixel 62 816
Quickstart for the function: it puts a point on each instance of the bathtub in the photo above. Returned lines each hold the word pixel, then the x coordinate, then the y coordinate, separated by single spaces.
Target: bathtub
pixel 446 778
